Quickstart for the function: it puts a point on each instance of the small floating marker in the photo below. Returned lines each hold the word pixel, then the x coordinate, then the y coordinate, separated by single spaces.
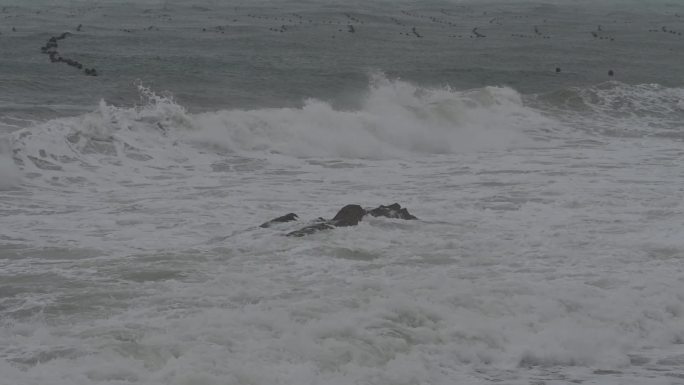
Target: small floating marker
pixel 611 73
pixel 558 70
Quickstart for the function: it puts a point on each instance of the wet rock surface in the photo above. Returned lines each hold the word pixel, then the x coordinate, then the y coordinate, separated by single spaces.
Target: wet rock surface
pixel 349 215
pixel 392 211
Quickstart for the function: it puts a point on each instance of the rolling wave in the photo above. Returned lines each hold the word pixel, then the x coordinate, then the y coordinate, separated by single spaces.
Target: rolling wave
pixel 618 109
pixel 395 119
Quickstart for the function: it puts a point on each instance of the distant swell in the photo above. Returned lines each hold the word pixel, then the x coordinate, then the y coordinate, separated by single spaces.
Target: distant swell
pixel 618 109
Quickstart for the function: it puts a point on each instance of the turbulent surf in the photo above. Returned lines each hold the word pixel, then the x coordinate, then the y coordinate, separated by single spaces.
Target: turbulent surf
pixel 539 146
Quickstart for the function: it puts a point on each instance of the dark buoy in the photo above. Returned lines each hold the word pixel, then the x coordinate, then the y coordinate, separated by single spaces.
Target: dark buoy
pixel 611 73
pixel 558 70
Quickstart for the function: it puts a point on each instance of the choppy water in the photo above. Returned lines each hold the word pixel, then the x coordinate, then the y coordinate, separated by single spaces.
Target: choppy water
pixel 550 244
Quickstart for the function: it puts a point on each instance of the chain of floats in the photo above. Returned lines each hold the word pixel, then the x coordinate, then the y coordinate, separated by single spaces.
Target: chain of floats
pixel 50 49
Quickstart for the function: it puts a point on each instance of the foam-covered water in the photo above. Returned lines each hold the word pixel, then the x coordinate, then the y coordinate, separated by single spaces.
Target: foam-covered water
pixel 9 174
pixel 548 249
pixel 133 253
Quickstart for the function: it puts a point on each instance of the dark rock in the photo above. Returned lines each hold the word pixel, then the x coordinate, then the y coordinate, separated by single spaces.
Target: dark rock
pixel 392 211
pixel 285 218
pixel 349 215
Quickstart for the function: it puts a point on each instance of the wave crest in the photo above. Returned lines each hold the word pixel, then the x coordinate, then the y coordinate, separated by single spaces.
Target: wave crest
pixel 395 118
pixel 102 141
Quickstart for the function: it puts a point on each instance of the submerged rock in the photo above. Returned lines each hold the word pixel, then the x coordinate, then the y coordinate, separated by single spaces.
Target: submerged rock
pixel 285 218
pixel 310 229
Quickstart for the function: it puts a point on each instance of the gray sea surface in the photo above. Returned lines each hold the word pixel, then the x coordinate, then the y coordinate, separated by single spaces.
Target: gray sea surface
pixel 216 55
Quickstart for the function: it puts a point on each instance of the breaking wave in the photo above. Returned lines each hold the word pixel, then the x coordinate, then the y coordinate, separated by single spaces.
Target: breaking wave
pixel 396 119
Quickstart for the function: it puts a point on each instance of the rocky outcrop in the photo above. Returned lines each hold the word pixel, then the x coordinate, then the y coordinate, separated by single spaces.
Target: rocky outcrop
pixel 349 215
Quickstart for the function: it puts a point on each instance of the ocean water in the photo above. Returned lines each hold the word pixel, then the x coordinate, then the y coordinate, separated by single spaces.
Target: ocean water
pixel 550 242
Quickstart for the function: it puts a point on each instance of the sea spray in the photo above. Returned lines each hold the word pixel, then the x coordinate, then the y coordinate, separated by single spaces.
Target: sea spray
pixel 396 118
pixel 109 143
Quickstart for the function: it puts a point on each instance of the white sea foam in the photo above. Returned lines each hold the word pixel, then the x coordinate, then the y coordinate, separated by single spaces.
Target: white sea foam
pixel 395 118
pixel 9 172
pixel 137 256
